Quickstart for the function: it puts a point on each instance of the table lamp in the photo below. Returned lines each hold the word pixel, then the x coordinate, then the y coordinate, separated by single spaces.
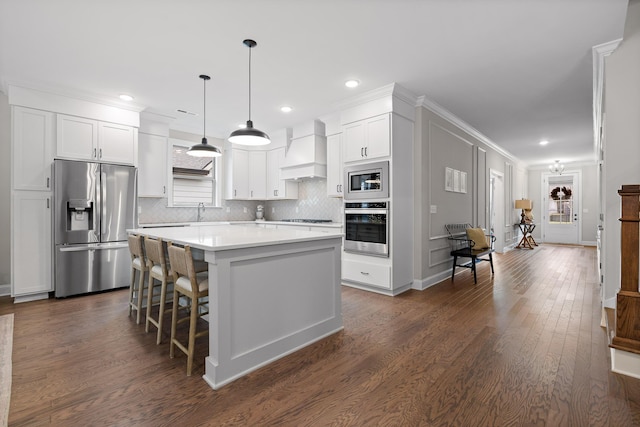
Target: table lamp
pixel 523 204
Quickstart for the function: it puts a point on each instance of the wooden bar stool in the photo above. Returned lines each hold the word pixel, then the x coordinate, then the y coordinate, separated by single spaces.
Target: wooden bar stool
pixel 194 286
pixel 159 275
pixel 138 262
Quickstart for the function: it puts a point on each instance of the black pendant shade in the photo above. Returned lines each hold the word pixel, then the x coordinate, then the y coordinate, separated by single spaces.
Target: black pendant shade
pixel 204 149
pixel 249 135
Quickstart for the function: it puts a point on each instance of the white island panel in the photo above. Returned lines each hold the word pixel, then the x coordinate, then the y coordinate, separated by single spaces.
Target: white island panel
pixel 270 301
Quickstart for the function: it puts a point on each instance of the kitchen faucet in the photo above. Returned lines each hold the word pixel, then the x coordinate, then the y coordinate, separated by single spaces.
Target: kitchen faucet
pixel 200 206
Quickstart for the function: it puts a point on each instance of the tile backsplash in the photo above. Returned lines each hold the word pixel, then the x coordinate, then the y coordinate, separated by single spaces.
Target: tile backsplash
pixel 312 203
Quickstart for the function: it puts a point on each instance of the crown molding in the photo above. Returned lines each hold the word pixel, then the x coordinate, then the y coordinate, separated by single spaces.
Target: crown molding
pixel 438 109
pixel 71 93
pixel 392 89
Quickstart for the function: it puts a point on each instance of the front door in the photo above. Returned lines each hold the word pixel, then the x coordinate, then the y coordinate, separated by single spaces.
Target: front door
pixel 560 199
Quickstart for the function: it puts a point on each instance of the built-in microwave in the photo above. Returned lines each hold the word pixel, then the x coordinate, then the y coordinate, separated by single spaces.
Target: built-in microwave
pixel 367 181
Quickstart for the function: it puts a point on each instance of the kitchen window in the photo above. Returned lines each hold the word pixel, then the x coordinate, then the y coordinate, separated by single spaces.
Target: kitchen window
pixel 193 179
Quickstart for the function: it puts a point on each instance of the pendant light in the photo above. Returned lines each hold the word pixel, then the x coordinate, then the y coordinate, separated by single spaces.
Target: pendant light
pixel 204 149
pixel 249 135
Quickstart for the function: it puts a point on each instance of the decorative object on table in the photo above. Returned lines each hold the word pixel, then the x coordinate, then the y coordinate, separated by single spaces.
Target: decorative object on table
pixel 557 167
pixel 249 135
pixel 523 204
pixel 204 149
pixel 260 213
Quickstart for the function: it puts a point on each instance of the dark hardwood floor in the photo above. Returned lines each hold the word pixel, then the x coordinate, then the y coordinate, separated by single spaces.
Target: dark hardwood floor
pixel 525 348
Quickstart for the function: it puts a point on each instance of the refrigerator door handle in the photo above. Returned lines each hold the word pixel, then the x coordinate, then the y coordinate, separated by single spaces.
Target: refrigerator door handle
pixel 103 203
pixel 93 247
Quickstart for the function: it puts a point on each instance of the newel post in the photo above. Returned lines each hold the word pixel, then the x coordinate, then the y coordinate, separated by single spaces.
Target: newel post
pixel 628 299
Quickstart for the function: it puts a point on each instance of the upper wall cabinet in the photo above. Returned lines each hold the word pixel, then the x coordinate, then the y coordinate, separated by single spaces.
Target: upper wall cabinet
pixel 335 176
pixel 152 168
pixel 33 136
pixel 278 188
pixel 85 139
pixel 367 139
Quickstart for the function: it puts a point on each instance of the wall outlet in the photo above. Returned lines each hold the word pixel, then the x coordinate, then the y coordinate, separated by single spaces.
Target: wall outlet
pixel 228 209
pixel 434 209
pixel 244 209
pixel 296 209
pixel 273 209
pixel 139 210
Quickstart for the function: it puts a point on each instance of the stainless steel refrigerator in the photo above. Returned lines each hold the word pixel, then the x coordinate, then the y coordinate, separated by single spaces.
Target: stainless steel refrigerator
pixel 94 205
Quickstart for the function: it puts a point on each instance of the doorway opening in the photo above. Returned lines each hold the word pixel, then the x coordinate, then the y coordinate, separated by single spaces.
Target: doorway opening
pixel 496 208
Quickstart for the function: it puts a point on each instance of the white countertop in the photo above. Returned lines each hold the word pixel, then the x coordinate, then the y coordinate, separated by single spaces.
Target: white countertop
pixel 206 223
pixel 224 237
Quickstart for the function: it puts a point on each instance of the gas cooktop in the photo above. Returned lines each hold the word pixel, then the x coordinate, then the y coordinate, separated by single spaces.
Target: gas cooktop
pixel 314 221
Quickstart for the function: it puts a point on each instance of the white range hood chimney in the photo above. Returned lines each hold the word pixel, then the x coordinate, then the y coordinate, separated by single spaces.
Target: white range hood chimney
pixel 307 155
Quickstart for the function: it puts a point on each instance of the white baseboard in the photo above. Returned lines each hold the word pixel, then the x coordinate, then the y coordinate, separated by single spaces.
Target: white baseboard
pixel 422 284
pixel 625 363
pixel 588 243
pixel 5 290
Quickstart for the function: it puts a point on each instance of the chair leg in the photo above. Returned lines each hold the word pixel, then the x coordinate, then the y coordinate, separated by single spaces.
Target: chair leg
pixel 150 287
pixel 473 267
pixel 174 321
pixel 140 296
pixel 131 288
pixel 453 270
pixel 163 301
pixel 491 262
pixel 192 334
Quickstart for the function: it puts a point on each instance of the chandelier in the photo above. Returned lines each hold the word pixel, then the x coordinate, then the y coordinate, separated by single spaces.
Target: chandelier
pixel 557 167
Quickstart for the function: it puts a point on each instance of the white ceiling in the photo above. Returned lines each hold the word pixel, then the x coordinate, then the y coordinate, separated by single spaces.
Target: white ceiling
pixel 517 71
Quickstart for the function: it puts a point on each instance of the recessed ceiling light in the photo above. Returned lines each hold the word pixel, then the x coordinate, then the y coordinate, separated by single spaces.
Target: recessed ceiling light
pixel 352 83
pixel 544 142
pixel 126 97
pixel 286 109
pixel 242 125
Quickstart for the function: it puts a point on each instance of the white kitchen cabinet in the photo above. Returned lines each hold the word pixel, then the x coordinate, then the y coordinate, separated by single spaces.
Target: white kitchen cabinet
pixel 257 175
pixel 277 188
pixel 366 271
pixel 31 257
pixel 367 139
pixel 246 173
pixel 237 173
pixel 335 175
pixel 79 138
pixel 116 143
pixel 152 165
pixel 33 139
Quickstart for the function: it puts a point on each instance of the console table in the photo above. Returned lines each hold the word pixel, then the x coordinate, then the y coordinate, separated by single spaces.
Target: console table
pixel 527 240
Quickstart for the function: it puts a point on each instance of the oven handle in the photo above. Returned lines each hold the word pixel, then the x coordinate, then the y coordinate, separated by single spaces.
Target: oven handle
pixel 367 211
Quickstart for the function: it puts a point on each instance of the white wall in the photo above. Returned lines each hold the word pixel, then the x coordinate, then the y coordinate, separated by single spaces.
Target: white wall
pixel 5 190
pixel 621 142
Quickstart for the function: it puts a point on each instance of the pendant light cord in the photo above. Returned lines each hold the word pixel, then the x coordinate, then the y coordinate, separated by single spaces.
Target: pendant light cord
pixel 204 108
pixel 249 83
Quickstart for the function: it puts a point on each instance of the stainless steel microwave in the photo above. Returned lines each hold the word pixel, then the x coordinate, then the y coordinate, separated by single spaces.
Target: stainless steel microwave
pixel 367 181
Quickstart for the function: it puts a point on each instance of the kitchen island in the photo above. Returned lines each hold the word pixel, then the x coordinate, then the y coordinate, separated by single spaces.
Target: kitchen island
pixel 271 292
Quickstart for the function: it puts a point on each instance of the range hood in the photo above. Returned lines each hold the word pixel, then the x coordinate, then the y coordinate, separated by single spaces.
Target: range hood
pixel 306 157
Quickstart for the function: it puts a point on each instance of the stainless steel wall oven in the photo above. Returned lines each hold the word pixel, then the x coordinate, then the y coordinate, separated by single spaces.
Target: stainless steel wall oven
pixel 367 228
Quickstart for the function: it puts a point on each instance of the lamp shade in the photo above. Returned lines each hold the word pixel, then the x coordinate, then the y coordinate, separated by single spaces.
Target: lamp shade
pixel 523 204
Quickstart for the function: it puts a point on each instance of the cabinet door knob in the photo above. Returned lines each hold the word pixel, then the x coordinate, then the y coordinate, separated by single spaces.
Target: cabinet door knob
pixel 48 182
pixel 164 189
pixel 47 203
pixel 251 193
pixel 101 153
pixel 364 273
pixel 365 152
pixel 361 151
pixel 95 153
pixel 235 193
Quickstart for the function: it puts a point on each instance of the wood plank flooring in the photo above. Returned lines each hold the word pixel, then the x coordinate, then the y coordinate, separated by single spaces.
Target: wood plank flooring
pixel 525 348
